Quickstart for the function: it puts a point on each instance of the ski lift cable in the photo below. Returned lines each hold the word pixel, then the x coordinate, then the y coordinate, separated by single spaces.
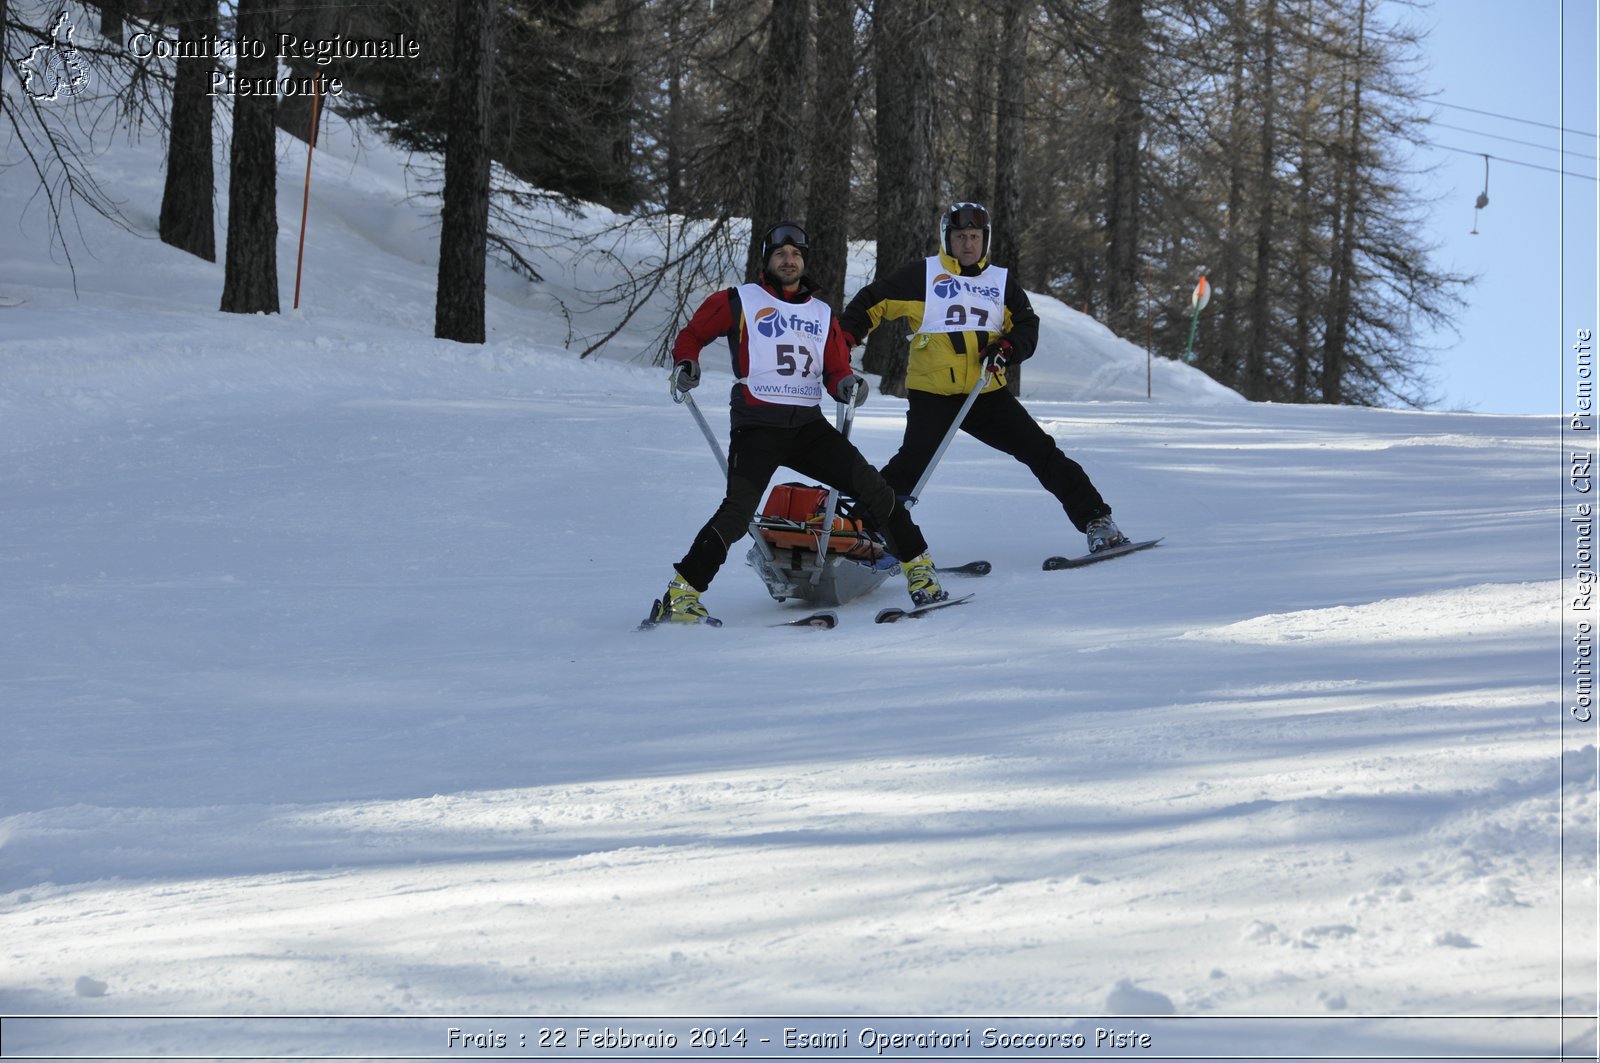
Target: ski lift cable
pixel 1509 118
pixel 1508 162
pixel 1513 140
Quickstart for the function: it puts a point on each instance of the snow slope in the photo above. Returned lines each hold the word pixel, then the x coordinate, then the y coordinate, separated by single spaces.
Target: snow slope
pixel 323 698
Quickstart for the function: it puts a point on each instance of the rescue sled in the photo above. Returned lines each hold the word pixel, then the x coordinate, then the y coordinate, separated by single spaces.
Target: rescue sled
pixel 808 545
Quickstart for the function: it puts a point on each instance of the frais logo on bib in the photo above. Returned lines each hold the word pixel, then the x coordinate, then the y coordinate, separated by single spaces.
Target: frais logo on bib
pixel 771 323
pixel 947 287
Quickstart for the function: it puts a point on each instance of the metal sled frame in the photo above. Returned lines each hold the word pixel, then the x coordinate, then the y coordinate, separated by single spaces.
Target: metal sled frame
pixel 811 575
pixel 796 573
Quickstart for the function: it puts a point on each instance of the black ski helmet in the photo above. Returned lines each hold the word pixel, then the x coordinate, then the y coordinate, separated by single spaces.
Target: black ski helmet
pixel 785 232
pixel 964 216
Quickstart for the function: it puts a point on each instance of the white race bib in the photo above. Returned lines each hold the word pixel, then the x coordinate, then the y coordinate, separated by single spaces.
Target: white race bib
pixel 785 343
pixel 953 303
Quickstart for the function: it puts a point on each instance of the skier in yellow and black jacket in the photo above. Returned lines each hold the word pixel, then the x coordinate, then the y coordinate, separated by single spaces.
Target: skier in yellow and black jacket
pixel 970 317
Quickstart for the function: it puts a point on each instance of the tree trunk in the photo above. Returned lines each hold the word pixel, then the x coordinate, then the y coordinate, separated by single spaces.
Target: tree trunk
pixel 905 50
pixel 625 94
pixel 1338 314
pixel 774 174
pixel 1221 360
pixel 250 282
pixel 828 216
pixel 188 220
pixel 111 24
pixel 1006 241
pixel 310 21
pixel 1127 56
pixel 977 184
pixel 463 243
pixel 3 52
pixel 1305 217
pixel 676 127
pixel 1256 385
pixel 1305 303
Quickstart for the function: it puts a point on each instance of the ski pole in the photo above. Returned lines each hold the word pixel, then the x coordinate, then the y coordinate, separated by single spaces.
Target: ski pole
pixel 682 397
pixel 846 417
pixel 944 444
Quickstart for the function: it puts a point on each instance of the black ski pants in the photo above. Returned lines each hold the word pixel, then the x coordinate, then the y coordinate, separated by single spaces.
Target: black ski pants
pixel 1000 421
pixel 817 451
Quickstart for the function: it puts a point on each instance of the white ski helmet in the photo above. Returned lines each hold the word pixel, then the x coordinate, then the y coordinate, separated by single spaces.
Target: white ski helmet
pixel 964 216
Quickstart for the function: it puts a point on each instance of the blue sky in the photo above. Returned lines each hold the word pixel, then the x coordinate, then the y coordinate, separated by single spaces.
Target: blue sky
pixel 1535 62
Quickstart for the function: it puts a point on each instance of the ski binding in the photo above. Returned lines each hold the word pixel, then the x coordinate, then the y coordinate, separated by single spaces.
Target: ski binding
pixel 655 621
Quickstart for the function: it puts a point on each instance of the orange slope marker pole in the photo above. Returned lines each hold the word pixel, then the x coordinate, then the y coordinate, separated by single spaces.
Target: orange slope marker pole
pixel 305 202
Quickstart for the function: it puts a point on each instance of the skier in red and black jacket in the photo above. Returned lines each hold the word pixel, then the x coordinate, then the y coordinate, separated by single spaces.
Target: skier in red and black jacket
pixel 786 350
pixel 722 316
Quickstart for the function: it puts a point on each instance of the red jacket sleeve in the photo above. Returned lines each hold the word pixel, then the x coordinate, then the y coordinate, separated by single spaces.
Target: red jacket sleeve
pixel 713 320
pixel 835 357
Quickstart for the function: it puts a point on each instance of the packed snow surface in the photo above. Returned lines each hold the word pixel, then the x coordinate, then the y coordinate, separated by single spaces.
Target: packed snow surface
pixel 323 695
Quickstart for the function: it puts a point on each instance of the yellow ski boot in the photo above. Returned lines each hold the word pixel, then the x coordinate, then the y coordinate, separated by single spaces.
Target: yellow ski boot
pixel 680 605
pixel 922 581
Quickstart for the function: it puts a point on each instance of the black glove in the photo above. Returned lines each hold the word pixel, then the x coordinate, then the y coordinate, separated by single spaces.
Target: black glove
pixel 686 375
pixel 852 389
pixel 996 355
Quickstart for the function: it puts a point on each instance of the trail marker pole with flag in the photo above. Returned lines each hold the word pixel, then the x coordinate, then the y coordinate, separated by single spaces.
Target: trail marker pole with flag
pixel 1202 296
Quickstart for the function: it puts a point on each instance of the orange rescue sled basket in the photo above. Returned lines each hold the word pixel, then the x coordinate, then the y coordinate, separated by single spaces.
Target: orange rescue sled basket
pixel 792 520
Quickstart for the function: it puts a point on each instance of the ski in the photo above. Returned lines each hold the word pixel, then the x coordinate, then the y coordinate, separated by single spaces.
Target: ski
pixel 648 624
pixel 1053 563
pixel 824 620
pixel 971 568
pixel 889 616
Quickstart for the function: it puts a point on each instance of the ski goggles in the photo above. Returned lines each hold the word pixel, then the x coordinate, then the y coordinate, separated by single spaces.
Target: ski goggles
pixel 792 235
pixel 967 216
